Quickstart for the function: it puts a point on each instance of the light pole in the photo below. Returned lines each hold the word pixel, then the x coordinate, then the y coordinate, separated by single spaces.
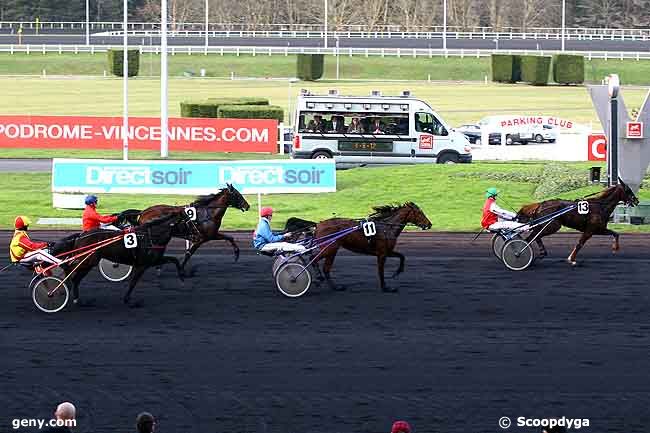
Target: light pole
pixel 337 56
pixel 496 41
pixel 444 25
pixel 563 21
pixel 164 145
pixel 206 25
pixel 325 33
pixel 125 83
pixel 87 22
pixel 613 84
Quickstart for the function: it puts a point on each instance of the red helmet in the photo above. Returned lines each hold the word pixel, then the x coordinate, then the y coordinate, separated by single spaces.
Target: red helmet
pixel 266 211
pixel 401 427
pixel 21 222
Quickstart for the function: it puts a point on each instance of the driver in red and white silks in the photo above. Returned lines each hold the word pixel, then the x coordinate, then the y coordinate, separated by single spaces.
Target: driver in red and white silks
pixel 267 241
pixel 494 217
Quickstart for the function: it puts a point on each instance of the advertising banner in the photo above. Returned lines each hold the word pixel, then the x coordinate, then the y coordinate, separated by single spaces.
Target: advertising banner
pixel 596 147
pixel 192 177
pixel 185 134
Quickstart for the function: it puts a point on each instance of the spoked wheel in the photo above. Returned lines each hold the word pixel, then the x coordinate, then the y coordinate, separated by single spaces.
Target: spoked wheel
pixel 114 272
pixel 293 279
pixel 517 255
pixel 497 244
pixel 50 294
pixel 282 259
pixel 55 272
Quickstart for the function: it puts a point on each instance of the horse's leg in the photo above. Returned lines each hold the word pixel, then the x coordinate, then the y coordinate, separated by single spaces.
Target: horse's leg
pixel 137 273
pixel 189 253
pixel 581 243
pixel 401 262
pixel 235 247
pixel 615 244
pixel 549 229
pixel 76 278
pixel 169 259
pixel 381 261
pixel 330 255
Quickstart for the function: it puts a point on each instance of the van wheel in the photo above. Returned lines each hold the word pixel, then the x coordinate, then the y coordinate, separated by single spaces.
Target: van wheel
pixel 539 138
pixel 448 158
pixel 508 139
pixel 321 155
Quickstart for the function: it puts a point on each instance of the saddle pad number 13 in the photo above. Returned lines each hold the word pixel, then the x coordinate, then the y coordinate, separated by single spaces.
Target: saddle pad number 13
pixel 130 240
pixel 369 229
pixel 583 207
pixel 191 213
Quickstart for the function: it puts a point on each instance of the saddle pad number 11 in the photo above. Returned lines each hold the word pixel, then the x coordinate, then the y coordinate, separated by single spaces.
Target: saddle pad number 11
pixel 191 213
pixel 130 240
pixel 369 229
pixel 583 207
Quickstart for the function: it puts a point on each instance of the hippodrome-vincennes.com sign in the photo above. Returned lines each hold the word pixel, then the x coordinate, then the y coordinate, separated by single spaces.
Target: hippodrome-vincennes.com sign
pixel 192 177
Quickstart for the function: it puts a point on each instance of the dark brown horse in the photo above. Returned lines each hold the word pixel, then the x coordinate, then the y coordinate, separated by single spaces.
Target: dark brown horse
pixel 210 210
pixel 389 222
pixel 595 222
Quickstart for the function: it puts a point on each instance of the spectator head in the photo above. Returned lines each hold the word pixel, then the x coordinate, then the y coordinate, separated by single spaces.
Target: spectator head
pixel 145 423
pixel 401 427
pixel 377 121
pixel 65 411
pixel 318 118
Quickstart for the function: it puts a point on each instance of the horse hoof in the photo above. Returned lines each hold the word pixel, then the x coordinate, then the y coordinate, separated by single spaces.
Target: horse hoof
pixel 389 290
pixel 236 256
pixel 572 262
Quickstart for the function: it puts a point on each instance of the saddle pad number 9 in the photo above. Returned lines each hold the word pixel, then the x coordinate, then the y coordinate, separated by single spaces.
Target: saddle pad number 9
pixel 130 240
pixel 583 207
pixel 369 228
pixel 191 213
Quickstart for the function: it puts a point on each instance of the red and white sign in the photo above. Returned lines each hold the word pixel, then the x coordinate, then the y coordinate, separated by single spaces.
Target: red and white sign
pixel 634 130
pixel 556 122
pixel 596 147
pixel 426 141
pixel 185 134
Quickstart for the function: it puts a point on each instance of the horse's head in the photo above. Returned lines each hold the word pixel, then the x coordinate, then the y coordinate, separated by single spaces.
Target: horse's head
pixel 235 199
pixel 416 216
pixel 626 195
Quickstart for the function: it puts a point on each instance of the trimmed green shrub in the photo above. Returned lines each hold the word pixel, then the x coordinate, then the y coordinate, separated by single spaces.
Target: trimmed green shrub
pixel 249 100
pixel 516 68
pixel 199 109
pixel 535 69
pixel 252 112
pixel 309 67
pixel 502 68
pixel 568 69
pixel 116 65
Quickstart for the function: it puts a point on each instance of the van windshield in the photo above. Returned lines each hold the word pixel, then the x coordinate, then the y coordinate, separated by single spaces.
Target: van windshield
pixel 354 123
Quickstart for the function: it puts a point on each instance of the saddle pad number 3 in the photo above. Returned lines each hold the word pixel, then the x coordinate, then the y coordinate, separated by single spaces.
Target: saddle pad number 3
pixel 583 207
pixel 369 229
pixel 191 213
pixel 130 240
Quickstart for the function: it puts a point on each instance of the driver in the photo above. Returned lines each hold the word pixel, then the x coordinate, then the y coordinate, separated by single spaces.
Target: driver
pixel 92 220
pixel 267 241
pixel 494 217
pixel 26 251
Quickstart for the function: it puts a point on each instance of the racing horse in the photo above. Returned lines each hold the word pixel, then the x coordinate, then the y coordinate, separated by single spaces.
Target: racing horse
pixel 594 222
pixel 152 239
pixel 210 210
pixel 389 222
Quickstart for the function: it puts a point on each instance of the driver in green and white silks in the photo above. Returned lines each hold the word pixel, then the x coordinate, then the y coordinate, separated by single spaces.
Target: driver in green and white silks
pixel 494 217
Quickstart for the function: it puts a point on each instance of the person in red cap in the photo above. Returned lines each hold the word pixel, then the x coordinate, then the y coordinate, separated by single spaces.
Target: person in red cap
pixel 26 251
pixel 400 427
pixel 91 219
pixel 265 240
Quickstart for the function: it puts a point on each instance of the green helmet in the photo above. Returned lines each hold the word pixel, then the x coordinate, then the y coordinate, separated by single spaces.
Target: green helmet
pixel 491 192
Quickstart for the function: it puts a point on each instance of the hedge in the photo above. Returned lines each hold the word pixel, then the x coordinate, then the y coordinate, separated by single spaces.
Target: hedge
pixel 210 107
pixel 502 68
pixel 568 69
pixel 115 62
pixel 249 100
pixel 535 69
pixel 309 67
pixel 252 112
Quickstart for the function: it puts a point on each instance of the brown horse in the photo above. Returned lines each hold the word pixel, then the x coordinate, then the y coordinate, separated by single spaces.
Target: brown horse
pixel 389 222
pixel 210 210
pixel 595 222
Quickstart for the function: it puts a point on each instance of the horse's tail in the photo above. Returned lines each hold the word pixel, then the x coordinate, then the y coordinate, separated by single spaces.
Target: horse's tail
pixel 528 212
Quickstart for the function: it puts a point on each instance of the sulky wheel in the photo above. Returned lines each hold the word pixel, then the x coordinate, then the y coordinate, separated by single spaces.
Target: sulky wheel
pixel 50 294
pixel 497 244
pixel 517 255
pixel 282 259
pixel 293 279
pixel 114 272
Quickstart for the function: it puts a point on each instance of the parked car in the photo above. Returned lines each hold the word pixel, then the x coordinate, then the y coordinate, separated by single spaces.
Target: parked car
pixel 472 132
pixel 545 133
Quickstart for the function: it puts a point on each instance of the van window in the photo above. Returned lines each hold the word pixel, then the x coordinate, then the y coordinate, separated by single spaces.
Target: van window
pixel 428 123
pixel 354 123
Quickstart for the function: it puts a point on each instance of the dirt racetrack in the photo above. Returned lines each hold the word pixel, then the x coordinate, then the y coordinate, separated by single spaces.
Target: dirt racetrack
pixel 463 343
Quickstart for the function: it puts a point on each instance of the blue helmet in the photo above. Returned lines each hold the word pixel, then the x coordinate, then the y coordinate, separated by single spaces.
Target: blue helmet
pixel 91 199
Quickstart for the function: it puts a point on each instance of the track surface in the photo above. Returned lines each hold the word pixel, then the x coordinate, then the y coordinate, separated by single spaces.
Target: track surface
pixel 464 342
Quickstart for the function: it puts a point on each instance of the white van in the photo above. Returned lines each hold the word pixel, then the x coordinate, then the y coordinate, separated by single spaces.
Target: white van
pixel 374 130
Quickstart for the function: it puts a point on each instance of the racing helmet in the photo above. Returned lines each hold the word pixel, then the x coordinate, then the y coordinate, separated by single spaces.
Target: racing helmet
pixel 491 192
pixel 22 222
pixel 266 211
pixel 90 199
